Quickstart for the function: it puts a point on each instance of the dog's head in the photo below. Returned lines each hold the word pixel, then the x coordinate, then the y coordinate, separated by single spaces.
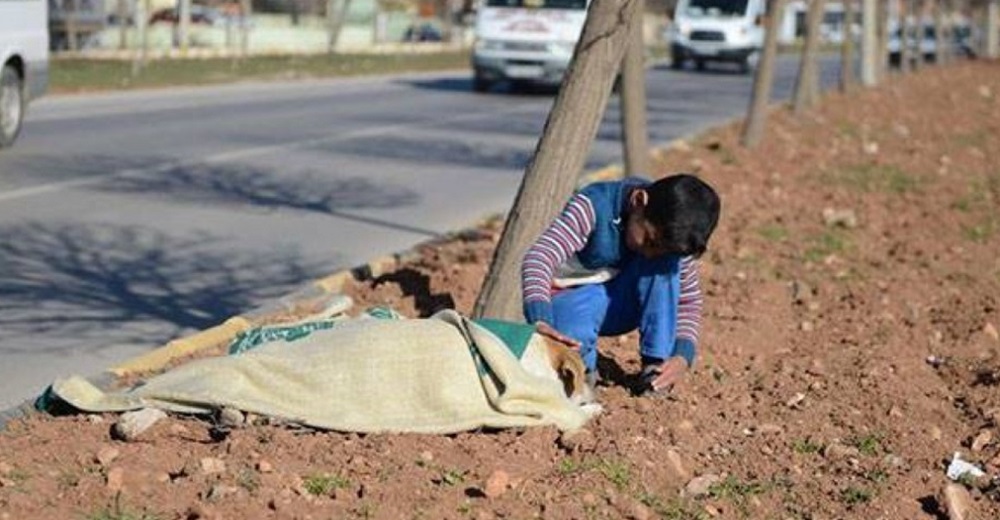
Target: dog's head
pixel 570 370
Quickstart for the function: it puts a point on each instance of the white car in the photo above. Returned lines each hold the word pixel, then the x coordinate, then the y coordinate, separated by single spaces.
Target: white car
pixel 24 62
pixel 717 31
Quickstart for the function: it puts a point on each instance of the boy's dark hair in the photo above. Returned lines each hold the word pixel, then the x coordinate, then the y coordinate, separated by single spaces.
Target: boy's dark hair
pixel 685 210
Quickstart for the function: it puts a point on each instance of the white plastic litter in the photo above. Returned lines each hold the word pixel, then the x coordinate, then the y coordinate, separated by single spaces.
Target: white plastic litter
pixel 959 467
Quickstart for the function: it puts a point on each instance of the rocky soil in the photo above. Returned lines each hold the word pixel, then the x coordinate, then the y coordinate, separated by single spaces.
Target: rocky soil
pixel 850 348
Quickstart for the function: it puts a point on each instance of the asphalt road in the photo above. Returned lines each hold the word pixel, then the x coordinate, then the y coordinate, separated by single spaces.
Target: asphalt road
pixel 130 219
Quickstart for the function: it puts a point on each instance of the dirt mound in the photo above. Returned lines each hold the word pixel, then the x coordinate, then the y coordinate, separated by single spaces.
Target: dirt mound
pixel 850 347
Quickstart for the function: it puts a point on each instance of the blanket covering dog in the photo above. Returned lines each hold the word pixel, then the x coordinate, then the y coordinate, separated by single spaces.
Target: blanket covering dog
pixel 444 374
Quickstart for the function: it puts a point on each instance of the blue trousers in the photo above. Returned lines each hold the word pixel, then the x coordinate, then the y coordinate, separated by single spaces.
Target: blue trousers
pixel 642 296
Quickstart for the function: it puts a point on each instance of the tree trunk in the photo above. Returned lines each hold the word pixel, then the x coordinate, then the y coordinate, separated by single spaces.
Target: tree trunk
pixel 633 98
pixel 869 42
pixel 992 34
pixel 939 39
pixel 561 152
pixel 184 26
pixel 882 49
pixel 337 24
pixel 905 29
pixel 139 52
pixel 847 78
pixel 246 12
pixel 807 85
pixel 69 14
pixel 122 13
pixel 753 129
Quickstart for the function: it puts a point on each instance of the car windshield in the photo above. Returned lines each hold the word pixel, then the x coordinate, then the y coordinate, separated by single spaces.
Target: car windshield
pixel 716 7
pixel 540 4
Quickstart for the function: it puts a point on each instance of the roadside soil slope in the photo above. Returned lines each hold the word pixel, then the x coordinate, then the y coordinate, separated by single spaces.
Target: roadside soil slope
pixel 850 347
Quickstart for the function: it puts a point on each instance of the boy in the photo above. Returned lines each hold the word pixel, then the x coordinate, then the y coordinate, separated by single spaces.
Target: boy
pixel 622 256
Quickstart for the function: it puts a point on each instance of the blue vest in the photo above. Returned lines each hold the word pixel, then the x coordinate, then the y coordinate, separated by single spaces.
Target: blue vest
pixel 606 246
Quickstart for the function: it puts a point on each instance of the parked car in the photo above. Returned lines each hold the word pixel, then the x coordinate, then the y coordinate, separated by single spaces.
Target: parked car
pixel 200 15
pixel 962 43
pixel 24 62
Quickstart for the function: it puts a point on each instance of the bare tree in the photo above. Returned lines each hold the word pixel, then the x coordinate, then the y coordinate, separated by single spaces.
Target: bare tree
pixel 184 25
pixel 940 32
pixel 807 85
pixel 561 152
pixel 882 54
pixel 633 97
pixel 847 78
pixel 69 14
pixel 246 13
pixel 335 20
pixel 906 29
pixel 992 34
pixel 869 42
pixel 753 128
pixel 122 15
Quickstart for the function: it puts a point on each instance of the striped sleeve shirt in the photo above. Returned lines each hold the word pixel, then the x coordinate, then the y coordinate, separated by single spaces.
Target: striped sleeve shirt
pixel 567 235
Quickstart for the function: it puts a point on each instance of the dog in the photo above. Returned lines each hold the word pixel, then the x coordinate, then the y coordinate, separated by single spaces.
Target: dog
pixel 547 358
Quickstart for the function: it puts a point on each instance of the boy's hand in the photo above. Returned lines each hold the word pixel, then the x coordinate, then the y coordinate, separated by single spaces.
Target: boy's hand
pixel 671 372
pixel 550 332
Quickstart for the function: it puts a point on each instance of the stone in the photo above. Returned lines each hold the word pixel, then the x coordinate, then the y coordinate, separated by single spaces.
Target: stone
pixel 894 411
pixel 5 469
pixel 264 466
pixel 982 439
pixel 771 429
pixel 132 424
pixel 231 418
pixel 589 499
pixel 576 440
pixel 212 465
pixel 107 455
pixel 115 479
pixel 844 218
pixel 700 486
pixel 935 433
pixel 957 501
pixel 676 465
pixel 796 400
pixel 990 330
pixel 426 456
pixel 496 484
pixel 838 451
pixel 640 512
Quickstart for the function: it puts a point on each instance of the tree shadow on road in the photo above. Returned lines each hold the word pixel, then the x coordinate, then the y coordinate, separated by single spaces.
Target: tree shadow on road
pixel 119 284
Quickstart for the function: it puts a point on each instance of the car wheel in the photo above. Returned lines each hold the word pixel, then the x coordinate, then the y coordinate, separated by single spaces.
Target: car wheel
pixel 699 64
pixel 749 64
pixel 11 105
pixel 480 84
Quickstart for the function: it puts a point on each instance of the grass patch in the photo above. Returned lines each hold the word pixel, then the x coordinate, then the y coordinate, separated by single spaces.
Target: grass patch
pixel 869 445
pixel 773 232
pixel 738 492
pixel 981 231
pixel 117 511
pixel 825 244
pixel 320 485
pixel 806 446
pixel 617 472
pixel 451 477
pixel 675 509
pixel 854 495
pixel 876 178
pixel 80 75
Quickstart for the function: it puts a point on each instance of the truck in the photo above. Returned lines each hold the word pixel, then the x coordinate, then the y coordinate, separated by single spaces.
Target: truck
pixel 525 41
pixel 717 31
pixel 24 61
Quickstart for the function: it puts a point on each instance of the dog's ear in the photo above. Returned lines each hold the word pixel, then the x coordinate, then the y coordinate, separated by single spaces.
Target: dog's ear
pixel 572 374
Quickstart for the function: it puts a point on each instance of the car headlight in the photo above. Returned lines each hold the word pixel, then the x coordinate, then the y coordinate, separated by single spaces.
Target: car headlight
pixel 562 48
pixel 683 29
pixel 489 45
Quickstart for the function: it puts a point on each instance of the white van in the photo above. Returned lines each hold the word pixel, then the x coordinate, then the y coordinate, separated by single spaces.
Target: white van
pixel 717 30
pixel 24 61
pixel 525 41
